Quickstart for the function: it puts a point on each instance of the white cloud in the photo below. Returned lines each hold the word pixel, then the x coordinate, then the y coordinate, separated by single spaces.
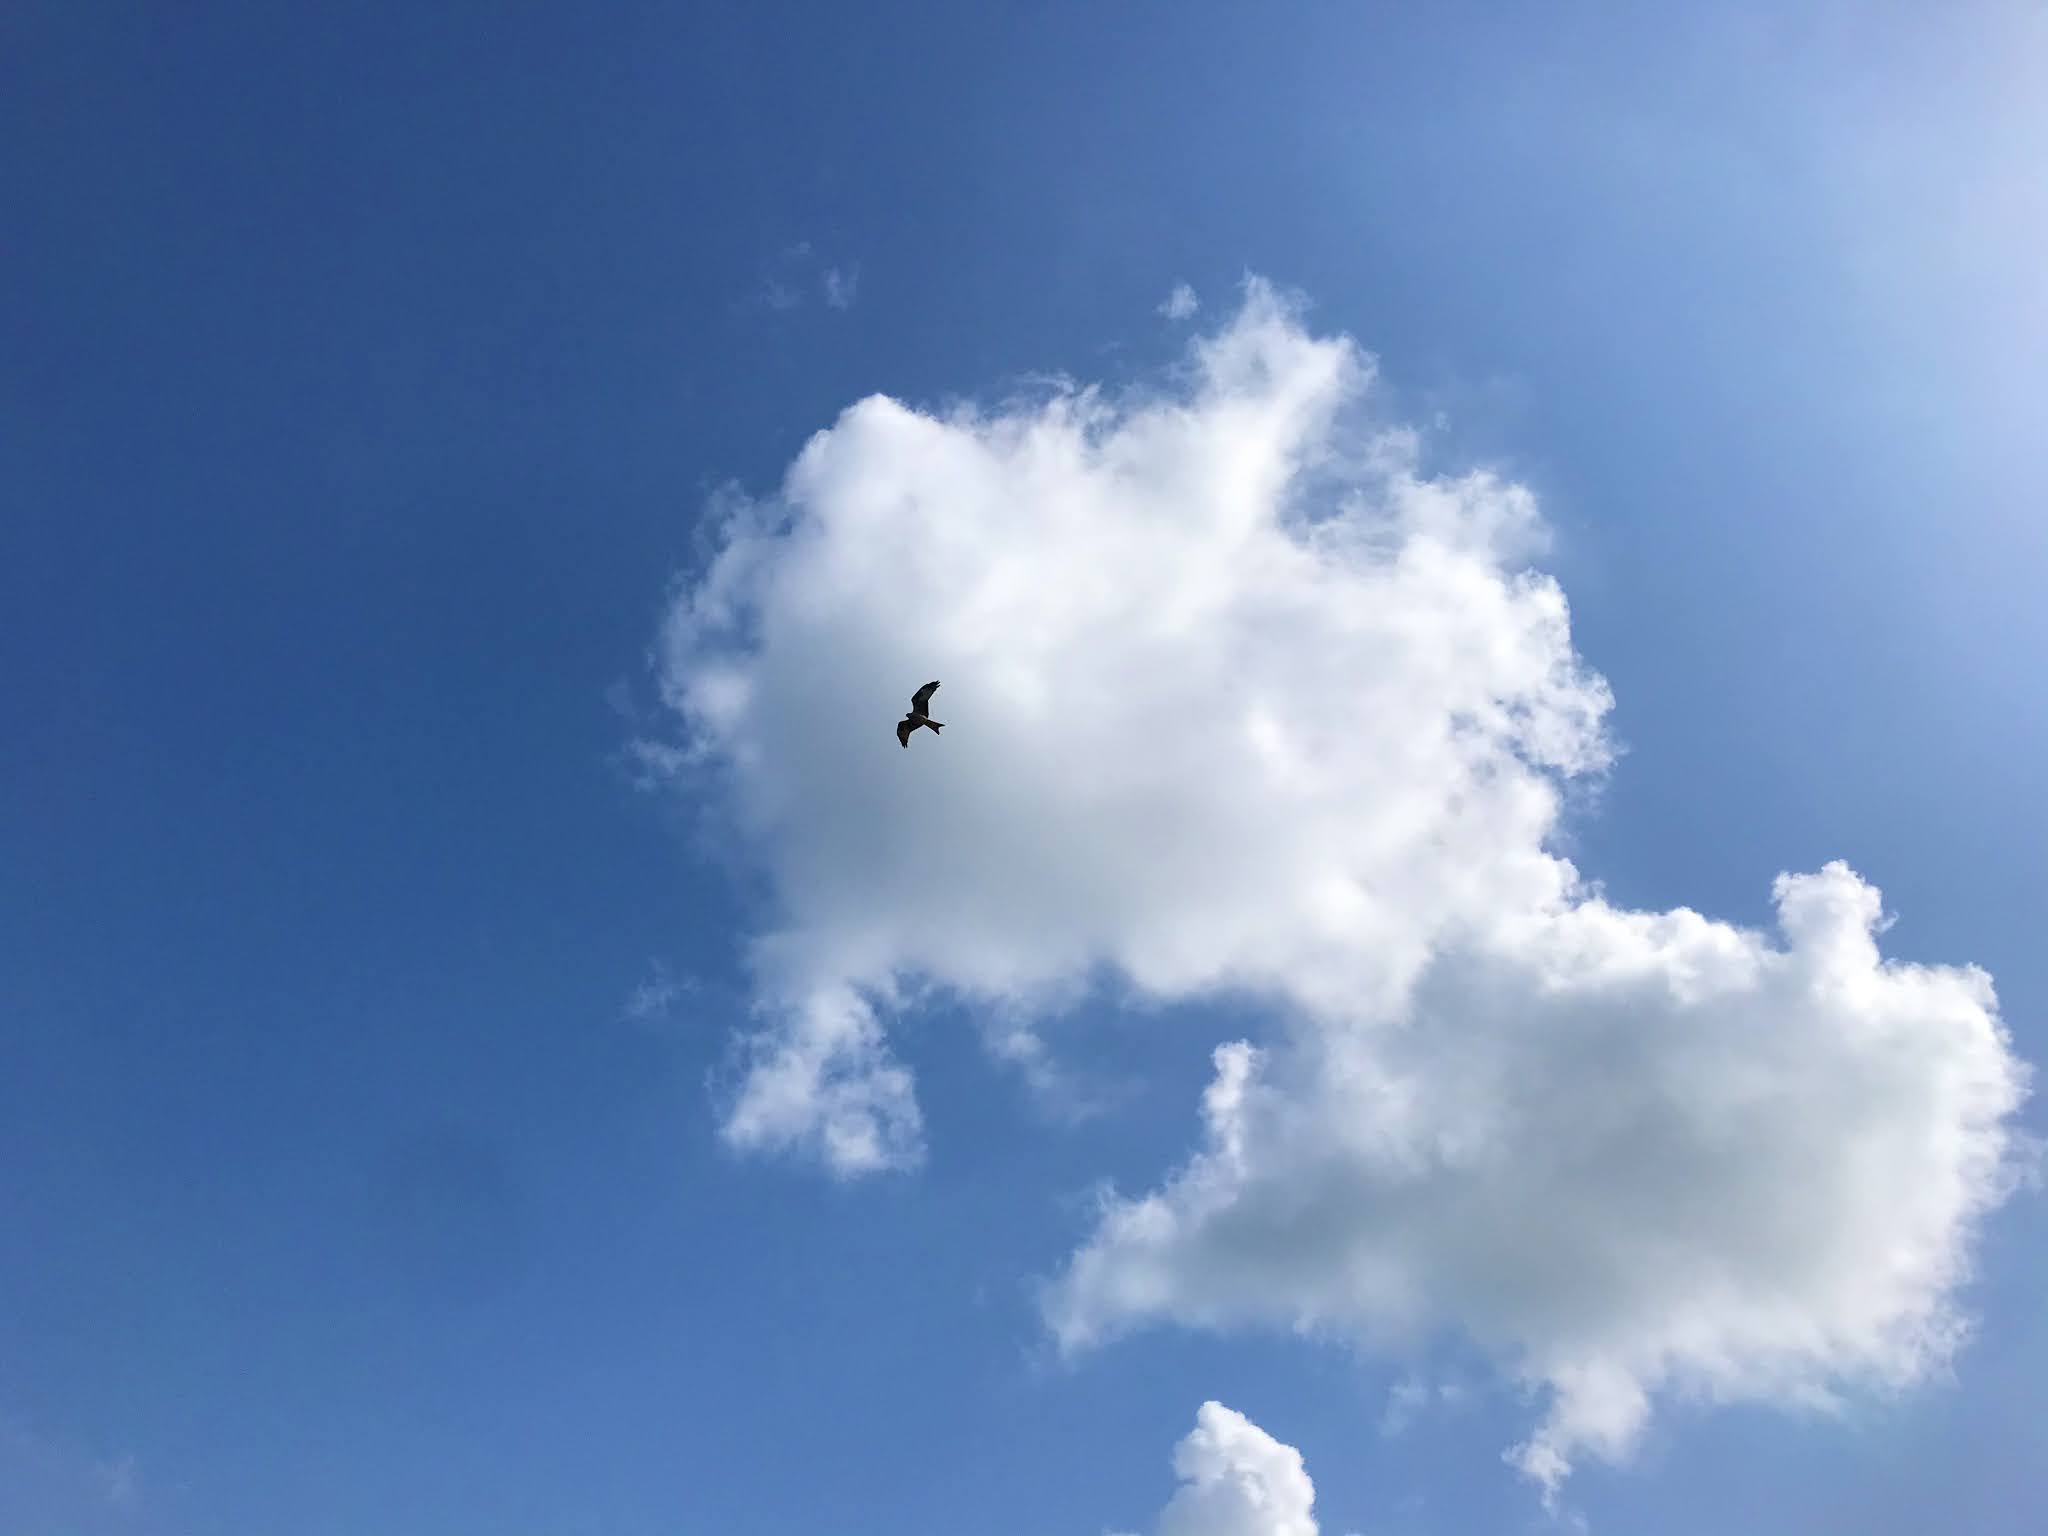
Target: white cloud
pixel 795 271
pixel 841 284
pixel 822 1080
pixel 1241 698
pixel 1624 1152
pixel 1237 1480
pixel 1181 303
pixel 1414 1395
pixel 1236 698
pixel 655 995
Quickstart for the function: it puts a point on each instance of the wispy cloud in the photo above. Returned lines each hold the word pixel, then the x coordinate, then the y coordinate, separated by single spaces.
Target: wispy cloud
pixel 1237 1480
pixel 841 284
pixel 1180 304
pixel 655 996
pixel 120 1480
pixel 797 276
pixel 1414 1395
pixel 48 1485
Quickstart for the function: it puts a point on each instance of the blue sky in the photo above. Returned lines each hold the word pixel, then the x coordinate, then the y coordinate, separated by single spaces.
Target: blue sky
pixel 368 375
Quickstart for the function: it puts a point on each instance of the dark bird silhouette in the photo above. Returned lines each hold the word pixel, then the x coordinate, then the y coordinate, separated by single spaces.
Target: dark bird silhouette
pixel 919 702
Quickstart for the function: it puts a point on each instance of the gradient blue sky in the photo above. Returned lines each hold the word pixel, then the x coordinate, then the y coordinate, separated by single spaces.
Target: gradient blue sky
pixel 365 371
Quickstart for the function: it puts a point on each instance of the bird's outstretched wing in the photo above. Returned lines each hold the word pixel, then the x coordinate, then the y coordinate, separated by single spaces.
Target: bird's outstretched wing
pixel 921 700
pixel 903 730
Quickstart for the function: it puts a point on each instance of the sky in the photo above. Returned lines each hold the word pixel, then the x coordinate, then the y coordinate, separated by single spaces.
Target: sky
pixel 1467 959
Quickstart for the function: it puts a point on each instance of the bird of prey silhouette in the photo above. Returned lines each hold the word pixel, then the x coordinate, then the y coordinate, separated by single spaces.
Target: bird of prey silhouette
pixel 919 702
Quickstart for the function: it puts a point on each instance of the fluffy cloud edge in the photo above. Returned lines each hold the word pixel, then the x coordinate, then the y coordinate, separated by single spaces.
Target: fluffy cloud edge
pixel 1773 1198
pixel 1138 563
pixel 1237 1480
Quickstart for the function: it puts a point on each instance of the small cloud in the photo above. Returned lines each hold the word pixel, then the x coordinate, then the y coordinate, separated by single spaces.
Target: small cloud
pixel 795 274
pixel 659 992
pixel 74 1490
pixel 1409 1396
pixel 841 283
pixel 1414 1395
pixel 618 698
pixel 1057 1092
pixel 652 765
pixel 1181 303
pixel 1237 1480
pixel 119 1480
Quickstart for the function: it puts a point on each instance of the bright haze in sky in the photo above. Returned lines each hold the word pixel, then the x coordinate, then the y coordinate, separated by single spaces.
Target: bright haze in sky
pixel 1468 957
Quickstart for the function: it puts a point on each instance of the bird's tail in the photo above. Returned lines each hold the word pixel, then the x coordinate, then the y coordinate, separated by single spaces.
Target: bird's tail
pixel 935 725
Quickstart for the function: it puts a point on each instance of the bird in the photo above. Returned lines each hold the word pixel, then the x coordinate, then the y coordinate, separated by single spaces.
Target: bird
pixel 919 701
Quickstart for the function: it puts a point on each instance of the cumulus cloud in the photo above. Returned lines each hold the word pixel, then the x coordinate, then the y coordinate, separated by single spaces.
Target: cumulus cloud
pixel 1624 1152
pixel 1237 1480
pixel 1243 698
pixel 1181 303
pixel 1237 698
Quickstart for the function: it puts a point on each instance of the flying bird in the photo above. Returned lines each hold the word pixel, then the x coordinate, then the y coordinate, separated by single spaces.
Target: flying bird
pixel 919 702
